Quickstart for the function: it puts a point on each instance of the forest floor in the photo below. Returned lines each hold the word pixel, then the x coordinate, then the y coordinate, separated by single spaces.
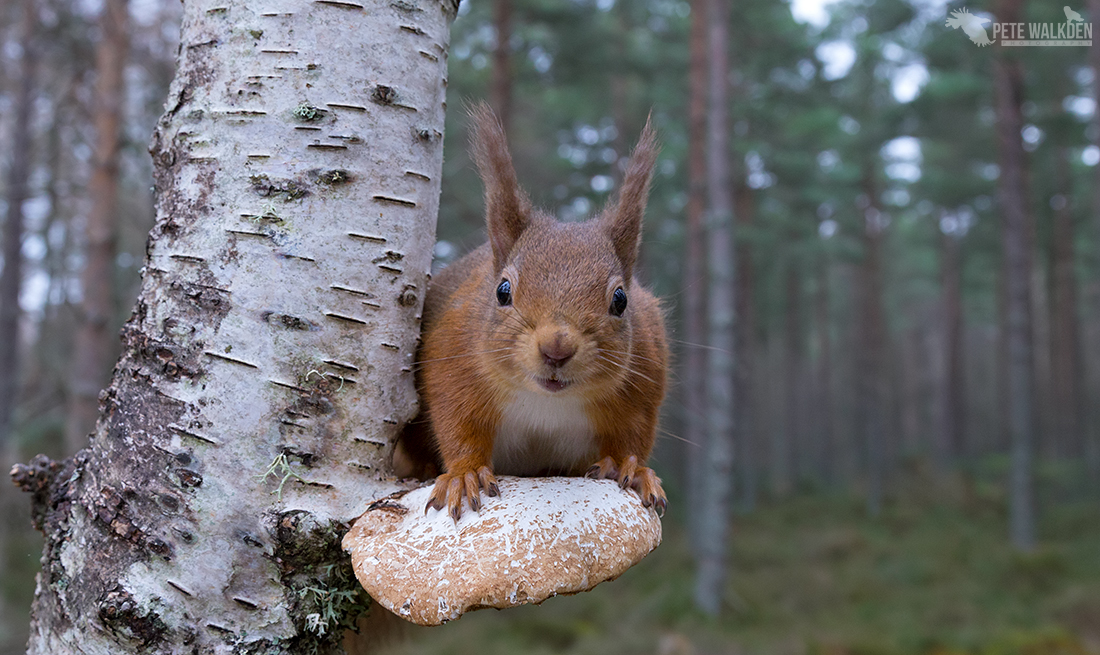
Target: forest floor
pixel 933 575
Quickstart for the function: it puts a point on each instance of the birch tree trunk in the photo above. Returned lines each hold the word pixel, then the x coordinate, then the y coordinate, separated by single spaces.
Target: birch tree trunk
pixel 267 365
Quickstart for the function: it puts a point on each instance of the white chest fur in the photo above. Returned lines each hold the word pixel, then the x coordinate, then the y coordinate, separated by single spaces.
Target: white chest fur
pixel 541 433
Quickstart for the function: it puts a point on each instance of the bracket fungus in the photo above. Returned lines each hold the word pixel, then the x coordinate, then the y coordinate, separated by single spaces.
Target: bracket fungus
pixel 540 538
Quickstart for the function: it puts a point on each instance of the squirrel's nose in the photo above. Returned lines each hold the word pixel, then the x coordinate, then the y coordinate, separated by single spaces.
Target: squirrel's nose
pixel 557 351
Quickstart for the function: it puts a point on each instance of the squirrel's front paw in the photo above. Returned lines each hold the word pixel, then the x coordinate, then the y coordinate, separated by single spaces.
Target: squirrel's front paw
pixel 451 488
pixel 631 475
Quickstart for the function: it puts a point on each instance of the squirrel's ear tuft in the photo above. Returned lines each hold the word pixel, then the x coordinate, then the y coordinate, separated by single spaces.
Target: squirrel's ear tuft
pixel 507 208
pixel 623 219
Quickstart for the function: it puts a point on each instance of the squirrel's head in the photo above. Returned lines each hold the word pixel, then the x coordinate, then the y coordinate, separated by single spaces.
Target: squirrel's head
pixel 560 302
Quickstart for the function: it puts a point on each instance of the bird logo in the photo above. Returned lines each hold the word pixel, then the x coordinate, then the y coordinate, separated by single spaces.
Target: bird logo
pixel 1072 16
pixel 972 25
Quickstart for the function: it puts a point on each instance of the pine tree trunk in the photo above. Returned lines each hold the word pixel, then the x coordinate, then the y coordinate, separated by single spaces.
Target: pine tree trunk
pixel 501 87
pixel 1092 417
pixel 785 466
pixel 266 367
pixel 1094 60
pixel 871 355
pixel 12 274
pixel 824 379
pixel 745 345
pixel 951 443
pixel 1015 231
pixel 693 372
pixel 94 342
pixel 1065 352
pixel 717 466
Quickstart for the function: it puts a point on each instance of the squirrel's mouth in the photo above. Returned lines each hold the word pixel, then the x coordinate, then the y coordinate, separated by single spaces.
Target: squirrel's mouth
pixel 553 384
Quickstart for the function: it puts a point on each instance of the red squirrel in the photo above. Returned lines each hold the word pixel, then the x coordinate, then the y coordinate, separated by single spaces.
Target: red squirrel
pixel 541 354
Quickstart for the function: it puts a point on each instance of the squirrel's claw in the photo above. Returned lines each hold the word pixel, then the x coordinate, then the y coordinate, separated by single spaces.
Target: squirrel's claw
pixel 630 475
pixel 451 488
pixel 604 469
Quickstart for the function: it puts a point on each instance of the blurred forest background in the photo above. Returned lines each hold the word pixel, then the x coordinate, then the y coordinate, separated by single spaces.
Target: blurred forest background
pixel 914 269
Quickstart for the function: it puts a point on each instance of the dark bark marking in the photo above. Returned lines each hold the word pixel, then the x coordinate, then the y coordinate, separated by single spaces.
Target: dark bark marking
pixel 188 479
pixel 191 259
pixel 427 135
pixel 203 295
pixel 287 385
pixel 289 322
pixel 178 587
pixel 383 95
pixel 247 604
pixel 350 367
pixel 388 256
pixel 287 255
pixel 265 187
pixel 367 237
pixel 229 359
pixel 334 177
pixel 342 4
pixel 408 297
pixel 374 442
pixel 193 435
pixel 355 292
pixel 349 319
pixel 246 233
pixel 338 105
pixel 121 614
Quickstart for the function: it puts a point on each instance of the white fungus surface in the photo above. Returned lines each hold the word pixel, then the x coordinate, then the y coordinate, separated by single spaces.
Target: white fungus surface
pixel 542 537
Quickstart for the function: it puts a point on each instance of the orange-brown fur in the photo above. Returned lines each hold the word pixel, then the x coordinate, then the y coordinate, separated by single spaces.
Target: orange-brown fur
pixel 478 356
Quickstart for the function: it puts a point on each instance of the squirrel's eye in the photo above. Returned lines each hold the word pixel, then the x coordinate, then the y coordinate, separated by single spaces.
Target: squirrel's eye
pixel 618 302
pixel 504 293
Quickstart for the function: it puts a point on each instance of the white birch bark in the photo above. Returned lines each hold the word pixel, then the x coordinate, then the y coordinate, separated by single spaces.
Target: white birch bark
pixel 297 177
